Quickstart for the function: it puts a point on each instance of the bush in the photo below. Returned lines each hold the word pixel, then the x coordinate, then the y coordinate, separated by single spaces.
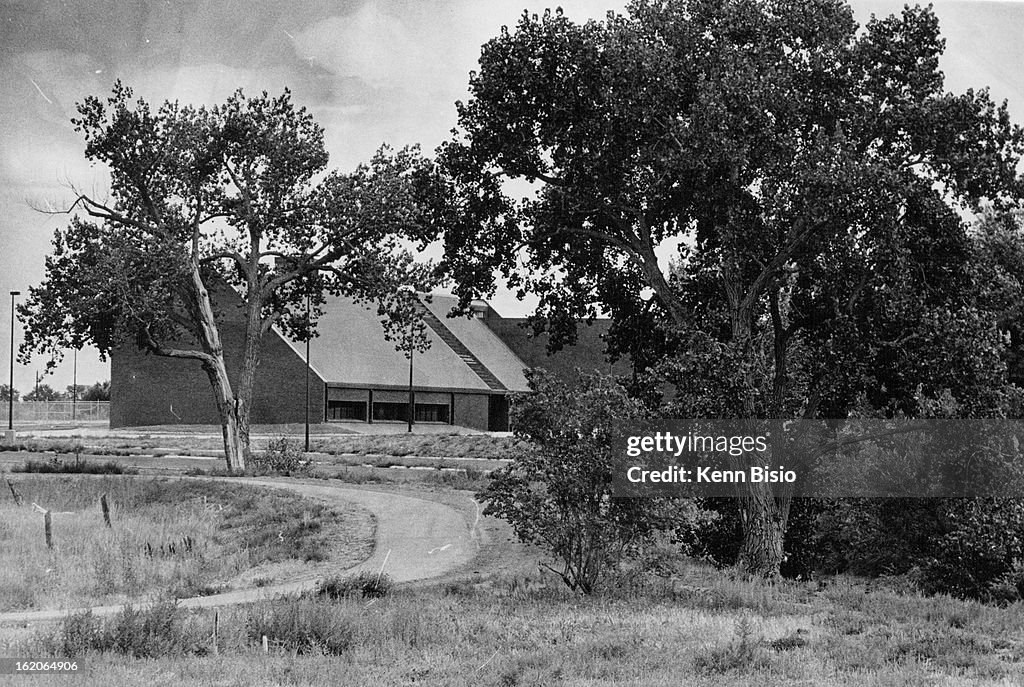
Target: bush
pixel 364 584
pixel 303 627
pixel 57 466
pixel 968 548
pixel 159 630
pixel 281 456
pixel 744 654
pixel 557 492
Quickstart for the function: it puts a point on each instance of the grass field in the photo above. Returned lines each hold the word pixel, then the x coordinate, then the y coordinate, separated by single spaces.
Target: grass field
pixel 700 627
pixel 457 446
pixel 714 629
pixel 168 537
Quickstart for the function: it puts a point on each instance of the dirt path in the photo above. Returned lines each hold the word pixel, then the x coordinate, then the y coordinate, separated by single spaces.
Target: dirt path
pixel 415 539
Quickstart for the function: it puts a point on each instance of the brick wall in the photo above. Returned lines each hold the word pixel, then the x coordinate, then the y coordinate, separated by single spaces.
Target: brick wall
pixel 154 390
pixel 471 410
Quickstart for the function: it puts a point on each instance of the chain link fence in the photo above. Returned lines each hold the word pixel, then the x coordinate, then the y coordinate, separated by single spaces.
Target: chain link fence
pixel 57 411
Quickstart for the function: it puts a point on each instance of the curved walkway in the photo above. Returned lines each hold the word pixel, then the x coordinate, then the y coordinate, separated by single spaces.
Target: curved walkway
pixel 415 539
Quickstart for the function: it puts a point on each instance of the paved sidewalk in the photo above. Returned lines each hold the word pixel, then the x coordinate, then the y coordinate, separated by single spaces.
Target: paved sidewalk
pixel 416 539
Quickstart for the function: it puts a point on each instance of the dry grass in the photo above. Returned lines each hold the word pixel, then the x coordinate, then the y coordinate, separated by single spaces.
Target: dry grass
pixel 709 629
pixel 189 439
pixel 170 537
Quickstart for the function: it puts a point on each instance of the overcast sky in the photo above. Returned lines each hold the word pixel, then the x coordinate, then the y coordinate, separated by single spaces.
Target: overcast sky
pixel 371 71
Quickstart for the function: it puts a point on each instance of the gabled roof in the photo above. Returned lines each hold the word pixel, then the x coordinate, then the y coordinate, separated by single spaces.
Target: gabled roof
pixel 351 351
pixel 484 343
pixel 587 354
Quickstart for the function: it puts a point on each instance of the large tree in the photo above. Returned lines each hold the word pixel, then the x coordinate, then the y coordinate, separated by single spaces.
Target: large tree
pixel 812 174
pixel 224 207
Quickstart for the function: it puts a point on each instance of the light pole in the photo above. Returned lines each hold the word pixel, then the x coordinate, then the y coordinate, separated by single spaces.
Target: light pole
pixel 307 373
pixel 405 288
pixel 10 388
pixel 74 386
pixel 412 396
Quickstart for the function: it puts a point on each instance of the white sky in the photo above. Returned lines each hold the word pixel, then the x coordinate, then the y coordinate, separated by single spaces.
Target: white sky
pixel 371 71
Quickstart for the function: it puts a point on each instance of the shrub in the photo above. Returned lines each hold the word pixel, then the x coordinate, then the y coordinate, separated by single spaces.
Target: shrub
pixel 57 466
pixel 557 492
pixel 365 584
pixel 159 630
pixel 76 634
pixel 743 654
pixel 303 627
pixel 282 455
pixel 965 547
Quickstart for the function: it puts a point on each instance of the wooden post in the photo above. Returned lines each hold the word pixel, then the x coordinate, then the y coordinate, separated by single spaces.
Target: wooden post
pixel 48 525
pixel 266 645
pixel 216 630
pixel 106 509
pixel 14 493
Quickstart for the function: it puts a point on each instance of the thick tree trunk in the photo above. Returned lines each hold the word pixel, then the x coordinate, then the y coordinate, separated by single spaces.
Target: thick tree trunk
pixel 763 517
pixel 236 442
pixel 250 361
pixel 764 520
pixel 234 425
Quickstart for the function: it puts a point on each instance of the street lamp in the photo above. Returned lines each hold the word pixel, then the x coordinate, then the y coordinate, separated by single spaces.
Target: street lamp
pixel 10 387
pixel 405 288
pixel 74 386
pixel 307 372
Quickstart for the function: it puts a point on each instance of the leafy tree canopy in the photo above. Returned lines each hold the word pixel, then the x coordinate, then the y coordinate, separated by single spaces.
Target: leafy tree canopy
pixel 813 175
pixel 100 391
pixel 791 158
pixel 43 392
pixel 230 206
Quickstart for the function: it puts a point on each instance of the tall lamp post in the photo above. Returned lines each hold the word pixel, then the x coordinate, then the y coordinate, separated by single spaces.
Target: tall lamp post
pixel 412 398
pixel 10 387
pixel 74 386
pixel 307 373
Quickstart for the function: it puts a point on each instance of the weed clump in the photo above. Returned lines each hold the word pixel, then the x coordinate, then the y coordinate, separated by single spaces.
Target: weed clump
pixel 364 584
pixel 744 654
pixel 57 466
pixel 159 630
pixel 301 627
pixel 281 456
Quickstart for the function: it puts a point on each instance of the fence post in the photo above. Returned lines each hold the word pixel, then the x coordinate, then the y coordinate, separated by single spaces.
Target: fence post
pixel 106 509
pixel 47 523
pixel 17 497
pixel 216 630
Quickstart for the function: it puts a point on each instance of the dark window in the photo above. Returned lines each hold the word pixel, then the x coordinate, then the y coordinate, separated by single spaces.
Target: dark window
pixel 399 412
pixel 346 410
pixel 497 413
pixel 391 411
pixel 432 412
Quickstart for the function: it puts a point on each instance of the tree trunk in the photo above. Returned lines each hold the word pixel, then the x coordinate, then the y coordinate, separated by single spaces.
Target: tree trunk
pixel 250 361
pixel 234 425
pixel 763 518
pixel 236 441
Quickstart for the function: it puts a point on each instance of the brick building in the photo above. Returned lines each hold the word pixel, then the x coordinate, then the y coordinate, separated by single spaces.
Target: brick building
pixel 464 378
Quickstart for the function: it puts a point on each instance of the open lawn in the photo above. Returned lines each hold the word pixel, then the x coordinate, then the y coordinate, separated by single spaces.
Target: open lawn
pixel 167 537
pixel 710 628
